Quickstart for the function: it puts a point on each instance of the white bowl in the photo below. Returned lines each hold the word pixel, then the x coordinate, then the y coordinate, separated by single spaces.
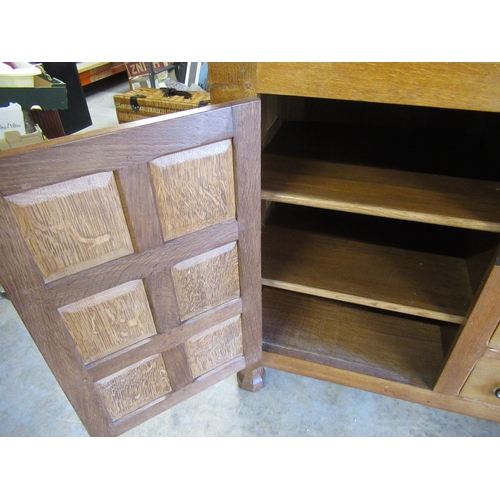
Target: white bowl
pixel 17 77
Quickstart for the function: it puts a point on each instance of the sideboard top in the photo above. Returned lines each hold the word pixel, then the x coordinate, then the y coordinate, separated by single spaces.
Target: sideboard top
pixel 470 86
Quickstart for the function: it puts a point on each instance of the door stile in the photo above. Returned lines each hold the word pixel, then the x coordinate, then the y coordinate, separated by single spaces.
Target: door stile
pixel 247 160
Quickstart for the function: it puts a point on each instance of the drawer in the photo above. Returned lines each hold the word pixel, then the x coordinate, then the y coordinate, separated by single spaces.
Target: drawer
pixel 484 380
pixel 495 340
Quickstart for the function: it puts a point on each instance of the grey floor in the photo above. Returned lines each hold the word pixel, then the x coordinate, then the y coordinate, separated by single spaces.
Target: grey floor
pixel 32 404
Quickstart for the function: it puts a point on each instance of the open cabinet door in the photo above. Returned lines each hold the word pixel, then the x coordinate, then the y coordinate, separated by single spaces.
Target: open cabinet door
pixel 133 258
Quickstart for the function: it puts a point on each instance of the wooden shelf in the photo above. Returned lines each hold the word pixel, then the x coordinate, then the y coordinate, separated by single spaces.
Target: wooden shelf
pixel 416 269
pixel 294 170
pixel 386 345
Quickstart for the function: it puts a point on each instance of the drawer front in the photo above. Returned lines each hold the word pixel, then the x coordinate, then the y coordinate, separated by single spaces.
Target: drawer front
pixel 495 340
pixel 484 381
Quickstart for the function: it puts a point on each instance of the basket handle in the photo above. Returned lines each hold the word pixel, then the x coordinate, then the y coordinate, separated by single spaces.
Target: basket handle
pixel 168 92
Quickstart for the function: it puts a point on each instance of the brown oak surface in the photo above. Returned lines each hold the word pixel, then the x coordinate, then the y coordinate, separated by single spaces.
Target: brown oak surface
pixel 481 322
pixel 320 253
pixel 360 189
pixel 494 342
pixel 484 380
pixel 138 292
pixel 455 85
pixel 388 388
pixel 363 340
pixel 372 93
pixel 440 177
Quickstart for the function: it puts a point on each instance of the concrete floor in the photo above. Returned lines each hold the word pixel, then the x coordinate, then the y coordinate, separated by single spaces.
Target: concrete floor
pixel 32 404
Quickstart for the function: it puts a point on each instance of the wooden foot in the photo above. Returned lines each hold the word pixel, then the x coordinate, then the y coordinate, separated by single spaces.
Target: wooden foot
pixel 252 378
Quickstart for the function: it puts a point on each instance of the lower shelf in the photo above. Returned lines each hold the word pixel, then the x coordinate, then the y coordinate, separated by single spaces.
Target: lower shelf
pixel 386 345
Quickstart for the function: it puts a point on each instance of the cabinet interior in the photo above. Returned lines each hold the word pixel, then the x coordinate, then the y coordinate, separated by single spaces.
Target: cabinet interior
pixel 380 224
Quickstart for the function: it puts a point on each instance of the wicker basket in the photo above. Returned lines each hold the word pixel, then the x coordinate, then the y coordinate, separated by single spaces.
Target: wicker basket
pixel 145 103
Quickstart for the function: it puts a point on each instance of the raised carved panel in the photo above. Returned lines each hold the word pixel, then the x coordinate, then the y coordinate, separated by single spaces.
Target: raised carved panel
pixel 194 189
pixel 207 280
pixel 214 347
pixel 73 225
pixel 134 387
pixel 109 321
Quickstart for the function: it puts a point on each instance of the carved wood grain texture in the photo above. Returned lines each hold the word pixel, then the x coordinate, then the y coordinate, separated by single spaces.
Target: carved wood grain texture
pixel 101 151
pixel 24 284
pixel 115 331
pixel 109 321
pixel 142 265
pixel 194 188
pixel 137 385
pixel 164 342
pixel 74 225
pixel 214 347
pixel 207 280
pixel 132 419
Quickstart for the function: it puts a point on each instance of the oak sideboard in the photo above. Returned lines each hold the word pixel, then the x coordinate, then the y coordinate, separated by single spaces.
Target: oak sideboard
pixel 335 220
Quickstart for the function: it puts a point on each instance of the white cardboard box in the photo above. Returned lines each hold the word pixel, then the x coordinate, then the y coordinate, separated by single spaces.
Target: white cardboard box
pixel 11 118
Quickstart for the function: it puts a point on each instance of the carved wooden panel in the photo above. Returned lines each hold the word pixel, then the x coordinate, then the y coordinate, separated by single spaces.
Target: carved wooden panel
pixel 206 281
pixel 109 321
pixel 133 258
pixel 73 225
pixel 134 387
pixel 194 188
pixel 214 347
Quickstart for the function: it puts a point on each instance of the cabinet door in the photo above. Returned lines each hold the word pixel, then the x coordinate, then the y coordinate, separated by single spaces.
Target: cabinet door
pixel 133 257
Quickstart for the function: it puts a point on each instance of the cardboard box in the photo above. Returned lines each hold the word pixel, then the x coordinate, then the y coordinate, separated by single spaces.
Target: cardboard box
pixel 13 139
pixel 11 118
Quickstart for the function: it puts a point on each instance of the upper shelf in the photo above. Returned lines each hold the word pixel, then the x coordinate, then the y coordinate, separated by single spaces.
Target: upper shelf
pixel 471 86
pixel 357 181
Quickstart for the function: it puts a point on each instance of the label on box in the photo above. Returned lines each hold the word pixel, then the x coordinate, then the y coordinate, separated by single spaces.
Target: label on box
pixel 141 68
pixel 11 118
